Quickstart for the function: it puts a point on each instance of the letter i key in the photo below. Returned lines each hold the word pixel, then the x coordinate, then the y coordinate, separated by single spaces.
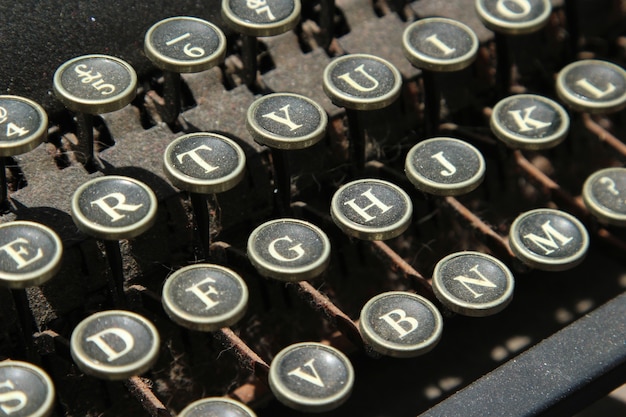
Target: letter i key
pixel 202 164
pixel 361 82
pixel 254 18
pixel 113 208
pixel 284 122
pixel 182 45
pixel 438 45
pixel 90 85
pixel 23 126
pixel 30 254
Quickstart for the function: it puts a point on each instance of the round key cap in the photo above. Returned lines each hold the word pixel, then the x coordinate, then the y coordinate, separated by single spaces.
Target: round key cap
pixel 362 82
pixel 400 324
pixel 371 209
pixel 182 44
pixel 548 239
pixel 530 122
pixel 445 166
pixel 514 17
pixel 592 86
pixel 604 194
pixel 289 250
pixel 204 163
pixel 90 85
pixel 95 84
pixel 286 121
pixel 260 17
pixel 185 44
pixel 114 207
pixel 205 297
pixel 439 44
pixel 473 284
pixel 311 377
pixel 23 125
pixel 253 18
pixel 30 254
pixel 216 406
pixel 114 344
pixel 26 390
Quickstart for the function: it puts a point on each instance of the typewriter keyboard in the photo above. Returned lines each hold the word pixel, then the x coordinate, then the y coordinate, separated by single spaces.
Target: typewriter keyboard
pixel 349 207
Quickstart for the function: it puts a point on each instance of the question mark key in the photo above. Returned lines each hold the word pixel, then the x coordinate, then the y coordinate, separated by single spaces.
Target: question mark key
pixel 604 194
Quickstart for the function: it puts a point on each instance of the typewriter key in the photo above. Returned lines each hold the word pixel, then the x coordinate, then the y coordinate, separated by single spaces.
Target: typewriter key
pixel 205 297
pixel 23 126
pixel 90 85
pixel 511 18
pixel 548 239
pixel 360 82
pixel 289 250
pixel 114 344
pixel 592 86
pixel 400 324
pixel 473 284
pixel 26 390
pixel 285 121
pixel 371 209
pixel 182 45
pixel 216 406
pixel 445 166
pixel 438 45
pixel 204 163
pixel 30 254
pixel 113 208
pixel 604 194
pixel 530 122
pixel 311 377
pixel 259 18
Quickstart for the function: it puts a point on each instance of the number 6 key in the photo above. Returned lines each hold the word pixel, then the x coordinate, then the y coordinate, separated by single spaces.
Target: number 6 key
pixel 182 45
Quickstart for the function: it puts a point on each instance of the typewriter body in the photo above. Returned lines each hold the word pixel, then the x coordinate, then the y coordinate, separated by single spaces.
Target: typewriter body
pixel 497 359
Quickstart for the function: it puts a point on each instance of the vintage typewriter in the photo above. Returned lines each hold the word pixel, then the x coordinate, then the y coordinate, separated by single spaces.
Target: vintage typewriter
pixel 557 347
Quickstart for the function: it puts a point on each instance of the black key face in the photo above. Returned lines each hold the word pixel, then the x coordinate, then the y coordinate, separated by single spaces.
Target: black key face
pixel 286 121
pixel 261 17
pixel 400 324
pixel 528 121
pixel 30 254
pixel 592 86
pixel 604 194
pixel 23 125
pixel 371 209
pixel 311 377
pixel 548 239
pixel 95 84
pixel 222 407
pixel 440 44
pixel 185 44
pixel 205 297
pixel 204 163
pixel 445 166
pixel 25 389
pixel 473 283
pixel 514 16
pixel 114 344
pixel 289 250
pixel 114 207
pixel 362 82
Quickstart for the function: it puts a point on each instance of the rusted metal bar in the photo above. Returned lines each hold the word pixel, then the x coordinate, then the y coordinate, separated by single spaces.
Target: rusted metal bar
pixel 246 356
